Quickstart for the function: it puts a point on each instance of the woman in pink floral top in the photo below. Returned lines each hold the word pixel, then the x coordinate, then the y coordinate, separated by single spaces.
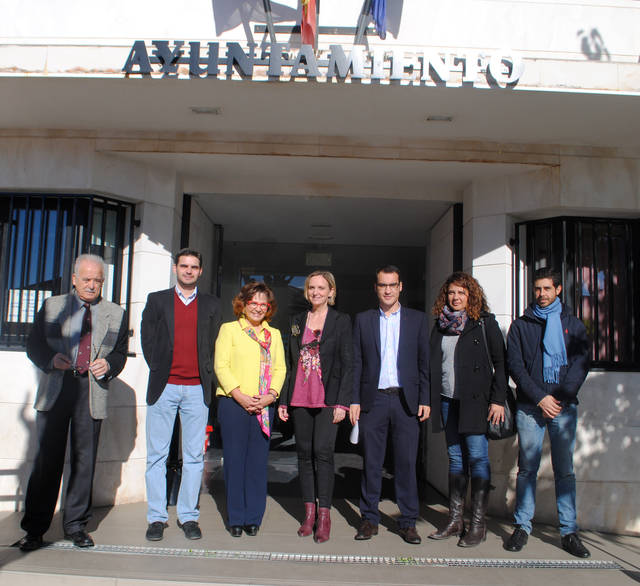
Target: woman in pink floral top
pixel 318 395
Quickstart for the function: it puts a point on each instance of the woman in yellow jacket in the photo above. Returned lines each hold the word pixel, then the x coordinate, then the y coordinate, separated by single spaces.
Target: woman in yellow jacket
pixel 250 366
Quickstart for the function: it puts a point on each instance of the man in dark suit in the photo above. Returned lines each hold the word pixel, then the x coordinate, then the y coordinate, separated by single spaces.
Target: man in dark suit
pixel 179 329
pixel 79 341
pixel 390 392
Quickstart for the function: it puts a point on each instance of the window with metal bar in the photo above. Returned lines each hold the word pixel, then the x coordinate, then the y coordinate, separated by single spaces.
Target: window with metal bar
pixel 597 259
pixel 40 237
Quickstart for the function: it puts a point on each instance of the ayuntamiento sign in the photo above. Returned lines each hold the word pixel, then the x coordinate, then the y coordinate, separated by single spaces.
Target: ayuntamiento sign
pixel 280 62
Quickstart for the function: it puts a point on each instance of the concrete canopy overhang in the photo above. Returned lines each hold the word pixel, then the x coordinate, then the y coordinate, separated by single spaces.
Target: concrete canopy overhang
pixel 305 140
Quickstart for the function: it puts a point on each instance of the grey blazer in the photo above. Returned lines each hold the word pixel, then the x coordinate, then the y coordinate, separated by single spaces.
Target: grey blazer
pixel 51 334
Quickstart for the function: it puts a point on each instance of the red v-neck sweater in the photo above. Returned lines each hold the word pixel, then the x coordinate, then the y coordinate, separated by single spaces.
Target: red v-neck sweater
pixel 184 365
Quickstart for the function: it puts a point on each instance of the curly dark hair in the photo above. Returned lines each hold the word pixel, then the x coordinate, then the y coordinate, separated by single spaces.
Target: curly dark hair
pixel 248 292
pixel 477 302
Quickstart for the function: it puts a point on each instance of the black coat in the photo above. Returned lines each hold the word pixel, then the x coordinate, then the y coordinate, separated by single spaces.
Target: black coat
pixel 476 386
pixel 157 335
pixel 336 358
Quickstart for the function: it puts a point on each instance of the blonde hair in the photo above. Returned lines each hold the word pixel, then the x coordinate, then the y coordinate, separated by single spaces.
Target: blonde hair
pixel 331 281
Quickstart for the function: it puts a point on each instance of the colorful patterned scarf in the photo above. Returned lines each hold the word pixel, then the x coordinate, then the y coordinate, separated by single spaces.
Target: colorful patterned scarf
pixel 452 322
pixel 265 372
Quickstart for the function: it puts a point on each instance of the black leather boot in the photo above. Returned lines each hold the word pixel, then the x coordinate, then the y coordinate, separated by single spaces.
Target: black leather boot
pixel 457 495
pixel 479 500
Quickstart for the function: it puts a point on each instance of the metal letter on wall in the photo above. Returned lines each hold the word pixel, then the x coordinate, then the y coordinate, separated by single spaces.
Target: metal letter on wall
pixel 306 59
pixel 211 68
pixel 139 57
pixel 339 66
pixel 237 58
pixel 501 61
pixel 168 58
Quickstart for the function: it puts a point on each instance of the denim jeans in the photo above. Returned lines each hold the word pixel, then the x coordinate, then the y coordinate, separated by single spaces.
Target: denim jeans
pixel 188 401
pixel 468 453
pixel 562 436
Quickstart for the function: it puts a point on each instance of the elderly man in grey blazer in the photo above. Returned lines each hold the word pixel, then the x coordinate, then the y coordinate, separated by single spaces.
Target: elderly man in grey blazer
pixel 79 341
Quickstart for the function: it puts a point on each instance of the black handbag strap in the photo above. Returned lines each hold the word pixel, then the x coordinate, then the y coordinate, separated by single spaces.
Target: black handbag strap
pixel 486 346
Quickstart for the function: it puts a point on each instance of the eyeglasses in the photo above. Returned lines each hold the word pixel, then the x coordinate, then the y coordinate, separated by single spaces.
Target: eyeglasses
pixel 387 285
pixel 256 305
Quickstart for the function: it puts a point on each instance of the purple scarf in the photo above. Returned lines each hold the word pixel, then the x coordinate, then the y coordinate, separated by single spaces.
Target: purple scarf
pixel 451 323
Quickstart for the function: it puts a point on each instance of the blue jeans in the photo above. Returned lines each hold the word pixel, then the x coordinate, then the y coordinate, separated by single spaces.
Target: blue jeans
pixel 468 453
pixel 188 401
pixel 562 436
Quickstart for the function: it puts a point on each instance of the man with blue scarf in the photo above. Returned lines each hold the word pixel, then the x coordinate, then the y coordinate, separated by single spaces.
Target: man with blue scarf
pixel 548 357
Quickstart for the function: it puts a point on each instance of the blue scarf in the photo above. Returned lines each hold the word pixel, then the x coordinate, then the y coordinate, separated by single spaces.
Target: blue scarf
pixel 555 353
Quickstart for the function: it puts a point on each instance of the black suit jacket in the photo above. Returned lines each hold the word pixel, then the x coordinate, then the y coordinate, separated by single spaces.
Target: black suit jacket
pixel 413 358
pixel 336 358
pixel 157 335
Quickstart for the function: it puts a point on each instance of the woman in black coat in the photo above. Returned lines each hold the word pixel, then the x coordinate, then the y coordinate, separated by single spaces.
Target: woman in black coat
pixel 318 395
pixel 468 390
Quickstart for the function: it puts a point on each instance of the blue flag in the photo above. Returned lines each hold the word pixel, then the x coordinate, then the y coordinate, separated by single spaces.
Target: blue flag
pixel 379 15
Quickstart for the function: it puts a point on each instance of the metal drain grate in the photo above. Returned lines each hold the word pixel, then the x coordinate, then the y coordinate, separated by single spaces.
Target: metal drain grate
pixel 217 554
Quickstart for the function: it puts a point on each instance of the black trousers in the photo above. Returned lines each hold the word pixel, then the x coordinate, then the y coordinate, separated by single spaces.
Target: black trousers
pixel 70 417
pixel 315 444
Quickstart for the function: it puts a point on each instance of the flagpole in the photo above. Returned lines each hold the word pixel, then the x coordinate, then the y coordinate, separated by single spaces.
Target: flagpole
pixel 317 22
pixel 362 22
pixel 269 19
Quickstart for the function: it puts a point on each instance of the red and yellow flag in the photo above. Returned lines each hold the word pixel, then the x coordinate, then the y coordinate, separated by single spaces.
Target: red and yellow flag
pixel 308 23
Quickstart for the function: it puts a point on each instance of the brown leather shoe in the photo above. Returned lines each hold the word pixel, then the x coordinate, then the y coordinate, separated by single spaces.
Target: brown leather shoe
pixel 366 531
pixel 410 535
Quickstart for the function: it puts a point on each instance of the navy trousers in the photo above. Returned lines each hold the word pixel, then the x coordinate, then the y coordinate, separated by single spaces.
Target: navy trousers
pixel 246 452
pixel 389 414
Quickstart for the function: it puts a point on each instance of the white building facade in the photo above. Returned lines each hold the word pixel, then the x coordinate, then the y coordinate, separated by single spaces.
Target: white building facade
pixel 489 136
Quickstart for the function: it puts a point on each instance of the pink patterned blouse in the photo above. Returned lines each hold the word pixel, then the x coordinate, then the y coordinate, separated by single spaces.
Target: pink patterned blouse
pixel 308 390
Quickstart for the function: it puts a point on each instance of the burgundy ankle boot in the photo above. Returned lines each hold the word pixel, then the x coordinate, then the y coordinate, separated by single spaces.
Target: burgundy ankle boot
pixel 309 519
pixel 323 527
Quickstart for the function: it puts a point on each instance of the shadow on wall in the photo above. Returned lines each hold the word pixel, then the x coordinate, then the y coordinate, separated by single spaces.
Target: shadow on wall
pixel 117 440
pixel 24 469
pixel 228 14
pixel 606 454
pixel 605 460
pixel 592 45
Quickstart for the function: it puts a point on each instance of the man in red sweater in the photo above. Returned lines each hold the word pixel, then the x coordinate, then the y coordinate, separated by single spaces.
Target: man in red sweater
pixel 179 330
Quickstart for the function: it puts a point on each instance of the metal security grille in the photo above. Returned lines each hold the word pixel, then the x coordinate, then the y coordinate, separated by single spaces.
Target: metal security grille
pixel 597 258
pixel 40 236
pixel 341 559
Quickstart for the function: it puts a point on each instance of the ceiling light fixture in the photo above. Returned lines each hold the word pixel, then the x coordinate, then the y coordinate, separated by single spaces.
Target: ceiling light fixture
pixel 439 118
pixel 211 110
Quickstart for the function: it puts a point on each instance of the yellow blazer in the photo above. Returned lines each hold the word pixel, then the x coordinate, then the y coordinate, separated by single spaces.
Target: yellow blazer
pixel 237 360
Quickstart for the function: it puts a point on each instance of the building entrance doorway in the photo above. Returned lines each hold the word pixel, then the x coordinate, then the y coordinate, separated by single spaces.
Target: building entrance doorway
pixel 280 240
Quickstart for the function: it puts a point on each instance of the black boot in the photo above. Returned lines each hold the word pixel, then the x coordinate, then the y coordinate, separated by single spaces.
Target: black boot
pixel 457 495
pixel 479 500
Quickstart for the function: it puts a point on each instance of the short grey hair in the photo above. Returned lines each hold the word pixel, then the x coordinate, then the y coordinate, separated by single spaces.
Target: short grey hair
pixel 89 258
